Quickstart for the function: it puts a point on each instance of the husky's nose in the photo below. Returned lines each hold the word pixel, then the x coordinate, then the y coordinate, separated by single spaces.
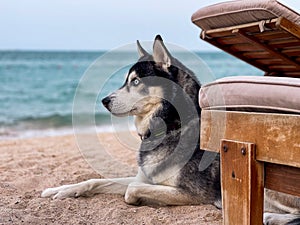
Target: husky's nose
pixel 106 101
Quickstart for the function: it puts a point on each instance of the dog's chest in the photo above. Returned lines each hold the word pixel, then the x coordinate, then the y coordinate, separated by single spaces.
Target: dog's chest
pixel 159 170
pixel 163 177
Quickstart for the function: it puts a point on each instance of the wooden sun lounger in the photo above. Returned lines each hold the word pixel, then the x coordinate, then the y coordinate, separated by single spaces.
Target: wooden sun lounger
pixel 259 148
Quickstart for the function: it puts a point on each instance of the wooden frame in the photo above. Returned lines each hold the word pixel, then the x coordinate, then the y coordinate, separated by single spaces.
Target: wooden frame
pixel 271 144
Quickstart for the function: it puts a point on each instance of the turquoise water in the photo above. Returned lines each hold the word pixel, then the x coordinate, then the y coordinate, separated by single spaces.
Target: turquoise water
pixel 37 88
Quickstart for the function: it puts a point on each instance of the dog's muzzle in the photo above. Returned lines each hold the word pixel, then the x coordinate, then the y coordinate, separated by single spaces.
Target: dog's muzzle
pixel 106 101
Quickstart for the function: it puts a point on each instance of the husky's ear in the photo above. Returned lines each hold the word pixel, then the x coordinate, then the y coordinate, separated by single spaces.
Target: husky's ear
pixel 142 52
pixel 160 52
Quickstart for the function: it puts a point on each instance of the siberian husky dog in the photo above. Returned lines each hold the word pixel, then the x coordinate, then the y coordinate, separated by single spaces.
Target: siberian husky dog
pixel 162 94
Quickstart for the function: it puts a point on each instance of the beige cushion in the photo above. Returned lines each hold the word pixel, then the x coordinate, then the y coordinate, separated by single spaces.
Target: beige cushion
pixel 233 13
pixel 252 93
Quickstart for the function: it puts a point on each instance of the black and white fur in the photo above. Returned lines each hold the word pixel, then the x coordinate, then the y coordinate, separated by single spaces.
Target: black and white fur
pixel 169 171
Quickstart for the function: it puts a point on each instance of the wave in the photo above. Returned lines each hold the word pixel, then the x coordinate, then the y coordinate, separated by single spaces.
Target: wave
pixel 56 121
pixel 59 124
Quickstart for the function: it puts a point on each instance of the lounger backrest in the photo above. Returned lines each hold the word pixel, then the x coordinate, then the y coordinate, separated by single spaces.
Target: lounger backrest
pixel 263 33
pixel 234 13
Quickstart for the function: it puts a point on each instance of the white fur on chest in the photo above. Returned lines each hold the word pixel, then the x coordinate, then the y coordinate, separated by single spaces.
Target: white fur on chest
pixel 148 106
pixel 160 174
pixel 168 176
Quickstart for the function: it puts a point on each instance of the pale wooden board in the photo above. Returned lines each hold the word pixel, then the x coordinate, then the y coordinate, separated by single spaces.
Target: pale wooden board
pixel 276 136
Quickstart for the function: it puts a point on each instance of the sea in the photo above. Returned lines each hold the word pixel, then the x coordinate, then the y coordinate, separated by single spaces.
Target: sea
pixel 40 90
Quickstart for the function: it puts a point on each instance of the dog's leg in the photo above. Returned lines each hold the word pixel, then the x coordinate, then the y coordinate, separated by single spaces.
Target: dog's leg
pixel 142 193
pixel 281 219
pixel 90 187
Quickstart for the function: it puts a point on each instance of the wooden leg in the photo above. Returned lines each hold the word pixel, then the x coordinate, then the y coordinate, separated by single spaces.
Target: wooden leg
pixel 242 184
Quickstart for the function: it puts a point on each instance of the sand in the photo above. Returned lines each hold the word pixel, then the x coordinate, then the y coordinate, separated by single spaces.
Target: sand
pixel 27 166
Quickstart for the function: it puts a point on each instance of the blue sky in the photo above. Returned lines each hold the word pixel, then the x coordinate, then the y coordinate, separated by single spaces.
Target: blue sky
pixel 99 24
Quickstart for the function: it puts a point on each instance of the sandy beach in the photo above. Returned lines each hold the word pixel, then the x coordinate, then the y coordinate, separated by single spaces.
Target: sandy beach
pixel 30 165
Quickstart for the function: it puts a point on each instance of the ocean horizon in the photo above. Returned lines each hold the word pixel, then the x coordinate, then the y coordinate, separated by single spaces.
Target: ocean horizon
pixel 37 88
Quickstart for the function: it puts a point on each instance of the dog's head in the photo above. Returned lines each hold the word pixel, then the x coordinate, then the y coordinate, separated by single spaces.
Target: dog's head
pixel 143 90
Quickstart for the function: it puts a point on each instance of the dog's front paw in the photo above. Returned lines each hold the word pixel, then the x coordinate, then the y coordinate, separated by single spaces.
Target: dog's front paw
pixel 62 192
pixel 280 218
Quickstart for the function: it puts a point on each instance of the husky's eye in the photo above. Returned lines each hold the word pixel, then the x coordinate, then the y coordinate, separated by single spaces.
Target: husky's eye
pixel 135 82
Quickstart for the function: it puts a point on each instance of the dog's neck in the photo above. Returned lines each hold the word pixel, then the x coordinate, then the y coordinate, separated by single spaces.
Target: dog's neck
pixel 142 123
pixel 156 123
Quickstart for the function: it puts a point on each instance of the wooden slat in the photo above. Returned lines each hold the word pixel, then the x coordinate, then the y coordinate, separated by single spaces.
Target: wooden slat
pixel 286 74
pixel 244 47
pixel 257 55
pixel 283 68
pixel 291 51
pixel 293 74
pixel 282 178
pixel 270 61
pixel 276 136
pixel 284 43
pixel 230 40
pixel 242 184
pixel 271 35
